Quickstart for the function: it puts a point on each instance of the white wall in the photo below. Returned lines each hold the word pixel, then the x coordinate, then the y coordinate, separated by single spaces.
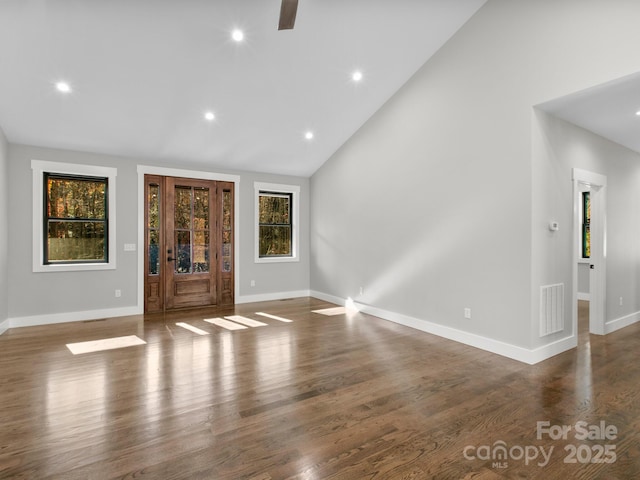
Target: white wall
pixel 436 204
pixel 4 233
pixel 38 297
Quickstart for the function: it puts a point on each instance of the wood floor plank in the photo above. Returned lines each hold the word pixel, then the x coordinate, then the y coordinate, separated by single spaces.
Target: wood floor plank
pixel 339 397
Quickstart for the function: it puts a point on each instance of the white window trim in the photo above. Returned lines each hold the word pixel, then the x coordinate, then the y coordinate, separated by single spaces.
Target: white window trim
pixel 38 168
pixel 294 190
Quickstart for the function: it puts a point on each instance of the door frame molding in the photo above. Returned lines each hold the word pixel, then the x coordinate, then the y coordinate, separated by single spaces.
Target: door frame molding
pixel 200 175
pixel 597 284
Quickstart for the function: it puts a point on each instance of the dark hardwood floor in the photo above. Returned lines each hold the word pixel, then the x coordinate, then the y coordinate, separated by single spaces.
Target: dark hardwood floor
pixel 339 397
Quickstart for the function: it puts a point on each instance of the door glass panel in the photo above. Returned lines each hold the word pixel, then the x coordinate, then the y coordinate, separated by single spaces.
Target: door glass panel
pixel 201 209
pixel 183 251
pixel 153 225
pixel 192 229
pixel 227 227
pixel 154 206
pixel 226 210
pixel 154 252
pixel 201 252
pixel 183 207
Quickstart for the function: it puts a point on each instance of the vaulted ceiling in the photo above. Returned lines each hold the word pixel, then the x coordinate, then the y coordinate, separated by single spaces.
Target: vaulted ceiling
pixel 143 74
pixel 611 110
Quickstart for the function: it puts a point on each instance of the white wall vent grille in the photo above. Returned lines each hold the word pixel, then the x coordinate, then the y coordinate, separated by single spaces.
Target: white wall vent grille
pixel 551 309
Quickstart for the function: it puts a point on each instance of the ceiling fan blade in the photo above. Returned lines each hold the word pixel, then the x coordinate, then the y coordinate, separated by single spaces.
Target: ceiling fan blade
pixel 288 11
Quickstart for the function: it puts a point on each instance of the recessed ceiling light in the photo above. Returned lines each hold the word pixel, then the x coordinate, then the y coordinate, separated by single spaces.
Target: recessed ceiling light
pixel 237 35
pixel 63 87
pixel 356 76
pixel 210 116
pixel 308 135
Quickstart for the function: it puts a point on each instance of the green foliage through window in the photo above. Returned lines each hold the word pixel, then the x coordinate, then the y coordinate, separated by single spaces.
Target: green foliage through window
pixel 586 225
pixel 75 219
pixel 275 228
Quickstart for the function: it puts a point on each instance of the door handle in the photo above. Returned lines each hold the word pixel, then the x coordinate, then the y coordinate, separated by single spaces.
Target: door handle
pixel 592 267
pixel 169 259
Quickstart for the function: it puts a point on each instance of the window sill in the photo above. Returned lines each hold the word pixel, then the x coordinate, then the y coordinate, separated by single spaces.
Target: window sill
pixel 277 259
pixel 74 267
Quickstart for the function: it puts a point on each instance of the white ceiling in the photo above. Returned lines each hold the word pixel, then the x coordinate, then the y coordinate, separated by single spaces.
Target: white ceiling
pixel 608 110
pixel 144 72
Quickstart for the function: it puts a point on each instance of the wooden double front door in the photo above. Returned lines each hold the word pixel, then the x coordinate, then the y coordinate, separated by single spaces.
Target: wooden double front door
pixel 189 243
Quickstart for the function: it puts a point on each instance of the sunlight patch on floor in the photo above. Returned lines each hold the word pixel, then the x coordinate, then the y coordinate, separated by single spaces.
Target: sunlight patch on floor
pixel 105 344
pixel 331 311
pixel 274 317
pixel 192 328
pixel 245 321
pixel 221 322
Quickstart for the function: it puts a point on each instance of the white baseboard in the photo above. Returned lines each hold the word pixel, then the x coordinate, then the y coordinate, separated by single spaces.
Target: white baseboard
pixel 52 318
pixel 327 298
pixel 530 356
pixel 494 346
pixel 621 322
pixel 551 349
pixel 267 297
pixel 584 296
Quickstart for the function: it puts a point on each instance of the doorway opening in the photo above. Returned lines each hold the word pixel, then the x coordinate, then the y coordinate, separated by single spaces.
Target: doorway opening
pixel 188 243
pixel 589 265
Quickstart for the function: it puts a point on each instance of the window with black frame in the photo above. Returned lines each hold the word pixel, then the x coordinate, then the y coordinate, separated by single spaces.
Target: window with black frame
pixel 275 235
pixel 586 225
pixel 75 219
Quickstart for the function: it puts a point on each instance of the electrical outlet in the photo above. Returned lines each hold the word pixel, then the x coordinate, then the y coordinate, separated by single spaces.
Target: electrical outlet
pixel 361 290
pixel 253 283
pixel 118 293
pixel 620 301
pixel 467 313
